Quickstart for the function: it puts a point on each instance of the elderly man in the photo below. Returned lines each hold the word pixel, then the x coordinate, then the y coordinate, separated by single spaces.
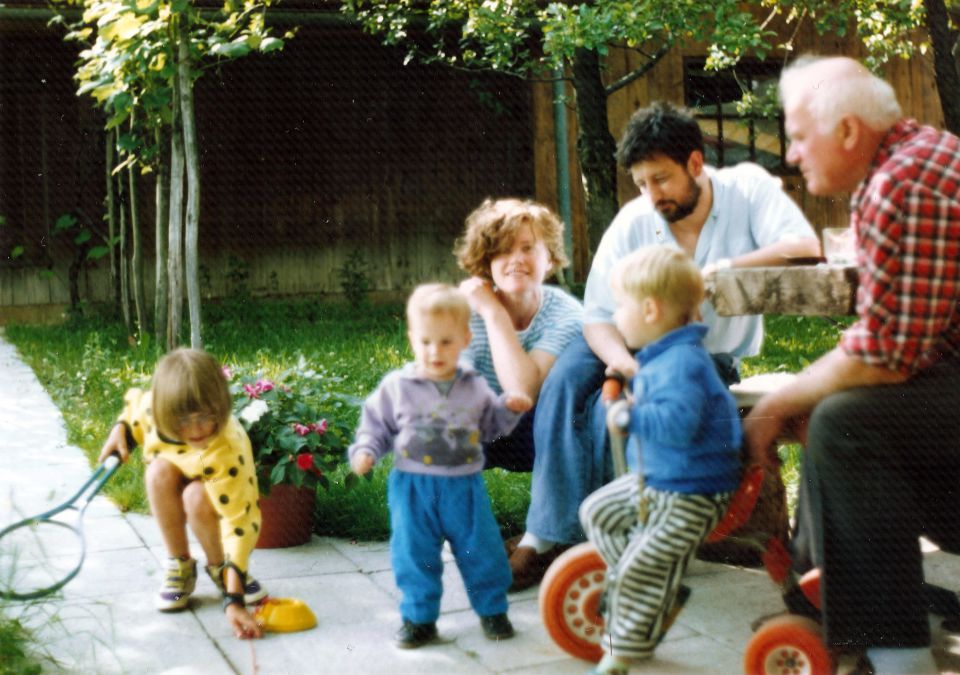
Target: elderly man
pixel 880 411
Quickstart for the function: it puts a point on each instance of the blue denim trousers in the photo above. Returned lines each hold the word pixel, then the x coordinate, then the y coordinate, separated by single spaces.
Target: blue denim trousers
pixel 425 510
pixel 571 459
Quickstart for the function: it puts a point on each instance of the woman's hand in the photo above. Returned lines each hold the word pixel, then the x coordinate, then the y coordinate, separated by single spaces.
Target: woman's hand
pixel 116 443
pixel 362 462
pixel 517 402
pixel 480 295
pixel 242 622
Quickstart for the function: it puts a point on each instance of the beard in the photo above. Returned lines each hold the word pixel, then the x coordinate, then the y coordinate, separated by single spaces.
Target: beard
pixel 672 211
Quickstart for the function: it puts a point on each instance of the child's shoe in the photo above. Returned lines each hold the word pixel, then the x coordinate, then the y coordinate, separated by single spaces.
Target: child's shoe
pixel 253 592
pixel 179 581
pixel 412 635
pixel 497 627
pixel 610 666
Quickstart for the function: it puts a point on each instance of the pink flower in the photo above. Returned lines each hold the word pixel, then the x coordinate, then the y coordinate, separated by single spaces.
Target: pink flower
pixel 261 387
pixel 302 429
pixel 320 427
pixel 227 372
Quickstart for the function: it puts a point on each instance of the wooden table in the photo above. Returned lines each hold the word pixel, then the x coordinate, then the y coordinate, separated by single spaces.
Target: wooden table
pixel 810 290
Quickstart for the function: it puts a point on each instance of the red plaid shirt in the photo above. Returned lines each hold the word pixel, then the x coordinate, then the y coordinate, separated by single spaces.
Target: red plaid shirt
pixel 906 217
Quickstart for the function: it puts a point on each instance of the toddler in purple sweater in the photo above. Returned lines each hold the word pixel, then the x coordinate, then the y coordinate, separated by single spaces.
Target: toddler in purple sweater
pixel 434 414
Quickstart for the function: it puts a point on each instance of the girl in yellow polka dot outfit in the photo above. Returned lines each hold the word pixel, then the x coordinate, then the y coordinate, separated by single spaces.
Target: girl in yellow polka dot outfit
pixel 199 471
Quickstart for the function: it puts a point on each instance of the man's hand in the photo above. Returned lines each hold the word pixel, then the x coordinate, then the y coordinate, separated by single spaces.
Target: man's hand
pixel 761 428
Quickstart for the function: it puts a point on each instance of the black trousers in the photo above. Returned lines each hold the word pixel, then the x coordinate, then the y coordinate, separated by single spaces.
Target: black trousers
pixel 881 468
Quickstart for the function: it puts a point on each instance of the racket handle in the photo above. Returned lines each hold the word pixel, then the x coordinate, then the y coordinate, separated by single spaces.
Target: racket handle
pixel 612 387
pixel 111 462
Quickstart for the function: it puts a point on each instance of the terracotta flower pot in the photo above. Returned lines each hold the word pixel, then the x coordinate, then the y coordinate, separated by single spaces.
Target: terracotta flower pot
pixel 287 516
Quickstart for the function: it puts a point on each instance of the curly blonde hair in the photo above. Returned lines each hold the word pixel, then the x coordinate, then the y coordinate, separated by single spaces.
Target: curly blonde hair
pixel 492 229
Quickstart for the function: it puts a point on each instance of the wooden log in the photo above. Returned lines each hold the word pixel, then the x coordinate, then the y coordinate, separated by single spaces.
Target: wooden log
pixel 806 290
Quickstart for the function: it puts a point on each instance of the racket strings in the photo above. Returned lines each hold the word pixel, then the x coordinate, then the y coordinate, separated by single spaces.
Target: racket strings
pixel 38 556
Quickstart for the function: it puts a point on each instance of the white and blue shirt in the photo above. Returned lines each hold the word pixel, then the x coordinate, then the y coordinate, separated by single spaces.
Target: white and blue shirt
pixel 750 210
pixel 553 327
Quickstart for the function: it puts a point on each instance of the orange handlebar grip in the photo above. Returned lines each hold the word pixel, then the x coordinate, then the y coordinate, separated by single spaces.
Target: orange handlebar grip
pixel 612 387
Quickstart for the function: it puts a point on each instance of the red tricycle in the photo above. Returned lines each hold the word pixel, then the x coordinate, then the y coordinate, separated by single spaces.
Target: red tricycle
pixel 571 593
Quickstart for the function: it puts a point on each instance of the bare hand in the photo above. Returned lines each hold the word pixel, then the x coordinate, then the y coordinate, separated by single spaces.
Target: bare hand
pixel 242 622
pixel 362 462
pixel 480 295
pixel 116 443
pixel 517 402
pixel 626 367
pixel 761 428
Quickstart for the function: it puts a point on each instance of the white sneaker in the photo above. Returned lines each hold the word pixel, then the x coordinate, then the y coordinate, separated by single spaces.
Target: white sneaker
pixel 252 591
pixel 178 583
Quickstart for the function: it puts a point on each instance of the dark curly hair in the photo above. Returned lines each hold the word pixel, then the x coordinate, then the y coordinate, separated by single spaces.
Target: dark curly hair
pixel 660 129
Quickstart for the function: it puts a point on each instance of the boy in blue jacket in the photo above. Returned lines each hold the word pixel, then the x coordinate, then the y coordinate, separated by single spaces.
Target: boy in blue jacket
pixel 688 429
pixel 434 414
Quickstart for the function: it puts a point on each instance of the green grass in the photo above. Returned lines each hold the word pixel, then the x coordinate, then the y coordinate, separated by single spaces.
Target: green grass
pixel 791 343
pixel 15 659
pixel 87 365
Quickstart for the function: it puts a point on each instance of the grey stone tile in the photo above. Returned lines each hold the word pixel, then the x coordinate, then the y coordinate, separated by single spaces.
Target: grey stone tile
pixel 123 634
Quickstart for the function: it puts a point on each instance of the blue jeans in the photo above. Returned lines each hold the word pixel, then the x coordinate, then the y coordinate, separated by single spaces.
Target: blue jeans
pixel 425 510
pixel 569 433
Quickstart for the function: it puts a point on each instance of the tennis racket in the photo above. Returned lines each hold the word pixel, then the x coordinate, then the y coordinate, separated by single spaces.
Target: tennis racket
pixel 42 553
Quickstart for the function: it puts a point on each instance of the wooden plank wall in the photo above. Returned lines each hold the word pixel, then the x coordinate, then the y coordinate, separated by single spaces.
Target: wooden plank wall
pixel 913 80
pixel 329 148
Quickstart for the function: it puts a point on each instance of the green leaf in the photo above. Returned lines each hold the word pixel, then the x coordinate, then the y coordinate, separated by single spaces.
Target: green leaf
pixel 3 221
pixel 97 252
pixel 278 474
pixel 16 252
pixel 270 44
pixel 83 237
pixel 128 142
pixel 65 222
pixel 231 50
pixel 46 274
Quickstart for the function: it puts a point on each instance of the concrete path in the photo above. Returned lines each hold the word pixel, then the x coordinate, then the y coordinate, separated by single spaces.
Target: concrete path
pixel 104 621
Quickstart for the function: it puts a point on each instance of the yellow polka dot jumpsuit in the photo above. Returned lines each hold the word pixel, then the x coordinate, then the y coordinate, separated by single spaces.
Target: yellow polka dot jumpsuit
pixel 225 466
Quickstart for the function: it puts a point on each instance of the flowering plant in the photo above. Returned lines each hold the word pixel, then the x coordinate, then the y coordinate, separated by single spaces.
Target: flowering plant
pixel 295 424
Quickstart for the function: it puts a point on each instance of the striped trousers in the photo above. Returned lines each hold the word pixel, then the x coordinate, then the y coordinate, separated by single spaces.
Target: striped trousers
pixel 645 561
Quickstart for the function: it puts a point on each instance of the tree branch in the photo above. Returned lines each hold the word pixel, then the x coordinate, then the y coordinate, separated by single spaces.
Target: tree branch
pixel 639 72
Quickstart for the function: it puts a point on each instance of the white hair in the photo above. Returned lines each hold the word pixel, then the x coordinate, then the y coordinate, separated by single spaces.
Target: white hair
pixel 835 87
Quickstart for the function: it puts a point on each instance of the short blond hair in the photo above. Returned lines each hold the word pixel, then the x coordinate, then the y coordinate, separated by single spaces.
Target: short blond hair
pixel 438 298
pixel 662 272
pixel 188 381
pixel 492 229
